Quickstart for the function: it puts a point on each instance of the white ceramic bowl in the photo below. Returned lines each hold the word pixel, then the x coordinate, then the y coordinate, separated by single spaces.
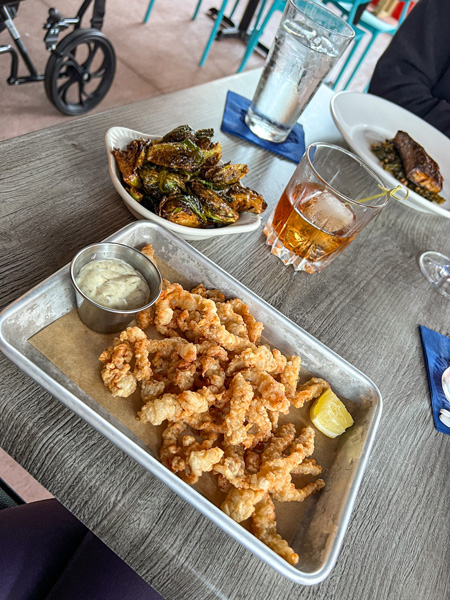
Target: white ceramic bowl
pixel 120 137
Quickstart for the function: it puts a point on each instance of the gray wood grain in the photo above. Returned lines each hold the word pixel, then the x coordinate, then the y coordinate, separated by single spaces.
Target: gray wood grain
pixel 56 197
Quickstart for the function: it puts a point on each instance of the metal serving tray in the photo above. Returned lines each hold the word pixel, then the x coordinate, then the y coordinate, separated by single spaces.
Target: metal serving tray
pixel 319 535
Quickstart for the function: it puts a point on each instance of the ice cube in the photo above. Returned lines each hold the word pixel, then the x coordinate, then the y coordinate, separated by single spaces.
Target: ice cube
pixel 327 212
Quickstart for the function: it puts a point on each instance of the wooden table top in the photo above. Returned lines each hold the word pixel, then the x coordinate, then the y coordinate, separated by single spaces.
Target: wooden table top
pixel 56 197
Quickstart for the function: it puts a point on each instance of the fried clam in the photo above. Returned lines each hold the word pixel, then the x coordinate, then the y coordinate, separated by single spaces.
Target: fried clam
pixel 264 526
pixel 274 475
pixel 212 294
pixel 116 373
pixel 260 358
pixel 254 327
pixel 176 407
pixel 187 456
pixel 289 376
pixel 220 394
pixel 199 315
pixel 308 391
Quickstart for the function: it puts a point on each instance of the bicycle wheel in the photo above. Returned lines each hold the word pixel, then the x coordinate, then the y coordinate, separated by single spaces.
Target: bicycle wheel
pixel 80 71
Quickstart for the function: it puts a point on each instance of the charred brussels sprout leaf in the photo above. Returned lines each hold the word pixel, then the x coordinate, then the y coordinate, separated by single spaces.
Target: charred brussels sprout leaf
pixel 183 209
pixel 179 134
pixel 223 176
pixel 170 183
pixel 176 155
pixel 130 159
pixel 212 154
pixel 245 200
pixel 149 177
pixel 134 193
pixel 217 210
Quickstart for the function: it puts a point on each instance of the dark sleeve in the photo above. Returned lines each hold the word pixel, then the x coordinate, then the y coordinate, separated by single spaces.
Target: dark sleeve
pixel 414 71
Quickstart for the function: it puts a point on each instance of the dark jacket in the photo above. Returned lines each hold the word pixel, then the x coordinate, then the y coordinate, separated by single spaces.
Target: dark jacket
pixel 414 71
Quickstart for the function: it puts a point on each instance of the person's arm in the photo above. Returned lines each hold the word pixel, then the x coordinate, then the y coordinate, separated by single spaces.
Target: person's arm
pixel 414 71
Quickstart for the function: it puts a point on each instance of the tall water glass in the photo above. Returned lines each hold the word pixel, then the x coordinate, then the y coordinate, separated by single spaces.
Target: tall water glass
pixel 329 199
pixel 308 43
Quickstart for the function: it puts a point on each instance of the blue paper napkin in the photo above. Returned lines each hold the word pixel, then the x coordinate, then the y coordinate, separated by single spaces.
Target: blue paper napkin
pixel 436 350
pixel 236 107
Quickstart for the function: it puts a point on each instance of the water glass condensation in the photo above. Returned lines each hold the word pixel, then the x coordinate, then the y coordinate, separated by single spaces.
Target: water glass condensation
pixel 327 202
pixel 308 43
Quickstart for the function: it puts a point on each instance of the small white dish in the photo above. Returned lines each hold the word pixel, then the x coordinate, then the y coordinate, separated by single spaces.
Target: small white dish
pixel 364 119
pixel 444 419
pixel 445 382
pixel 445 412
pixel 120 137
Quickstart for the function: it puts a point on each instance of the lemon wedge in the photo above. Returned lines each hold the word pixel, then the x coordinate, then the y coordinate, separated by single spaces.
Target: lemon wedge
pixel 329 415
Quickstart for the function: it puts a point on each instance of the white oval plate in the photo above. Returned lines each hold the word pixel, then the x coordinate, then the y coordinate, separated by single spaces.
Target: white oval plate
pixel 120 137
pixel 364 119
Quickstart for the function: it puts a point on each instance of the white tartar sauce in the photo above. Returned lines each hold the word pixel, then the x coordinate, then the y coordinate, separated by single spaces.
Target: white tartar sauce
pixel 113 283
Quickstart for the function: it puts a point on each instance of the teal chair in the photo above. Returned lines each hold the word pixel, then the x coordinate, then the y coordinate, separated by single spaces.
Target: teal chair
pixel 258 29
pixel 368 22
pixel 194 16
pixel 149 10
pixel 216 27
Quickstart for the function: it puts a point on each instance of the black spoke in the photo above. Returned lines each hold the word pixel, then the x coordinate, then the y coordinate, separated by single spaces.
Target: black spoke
pixel 99 73
pixel 80 92
pixel 62 91
pixel 92 52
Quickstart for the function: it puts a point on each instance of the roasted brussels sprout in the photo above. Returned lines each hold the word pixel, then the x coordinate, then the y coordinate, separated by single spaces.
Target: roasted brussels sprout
pixel 217 210
pixel 202 137
pixel 212 154
pixel 179 134
pixel 170 182
pixel 245 200
pixel 223 176
pixel 134 193
pixel 177 155
pixel 129 160
pixel 183 209
pixel 179 178
pixel 150 178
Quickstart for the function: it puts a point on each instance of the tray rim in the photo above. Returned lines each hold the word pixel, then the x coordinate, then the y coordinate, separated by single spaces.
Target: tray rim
pixel 145 459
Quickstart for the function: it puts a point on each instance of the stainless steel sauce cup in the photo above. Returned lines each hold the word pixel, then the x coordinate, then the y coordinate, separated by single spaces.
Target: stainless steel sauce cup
pixel 101 318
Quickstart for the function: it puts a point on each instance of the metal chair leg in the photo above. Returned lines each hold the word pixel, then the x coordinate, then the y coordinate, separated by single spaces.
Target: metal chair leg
pixel 258 30
pixel 233 9
pixel 214 31
pixel 197 8
pixel 149 10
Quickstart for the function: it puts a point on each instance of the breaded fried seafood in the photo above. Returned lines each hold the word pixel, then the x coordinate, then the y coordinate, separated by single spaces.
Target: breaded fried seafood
pixel 220 394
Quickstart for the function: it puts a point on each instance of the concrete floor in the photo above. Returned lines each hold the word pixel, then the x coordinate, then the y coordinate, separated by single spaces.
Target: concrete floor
pixel 161 56
pixel 154 58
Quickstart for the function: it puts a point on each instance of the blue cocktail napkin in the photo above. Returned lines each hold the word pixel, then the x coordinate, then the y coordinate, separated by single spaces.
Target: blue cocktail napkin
pixel 236 107
pixel 436 350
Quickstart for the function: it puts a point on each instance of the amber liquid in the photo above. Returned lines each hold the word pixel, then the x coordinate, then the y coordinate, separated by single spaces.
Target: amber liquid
pixel 301 236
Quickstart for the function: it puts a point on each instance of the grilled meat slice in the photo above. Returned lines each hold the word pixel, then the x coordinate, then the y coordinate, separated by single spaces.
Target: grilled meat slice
pixel 419 167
